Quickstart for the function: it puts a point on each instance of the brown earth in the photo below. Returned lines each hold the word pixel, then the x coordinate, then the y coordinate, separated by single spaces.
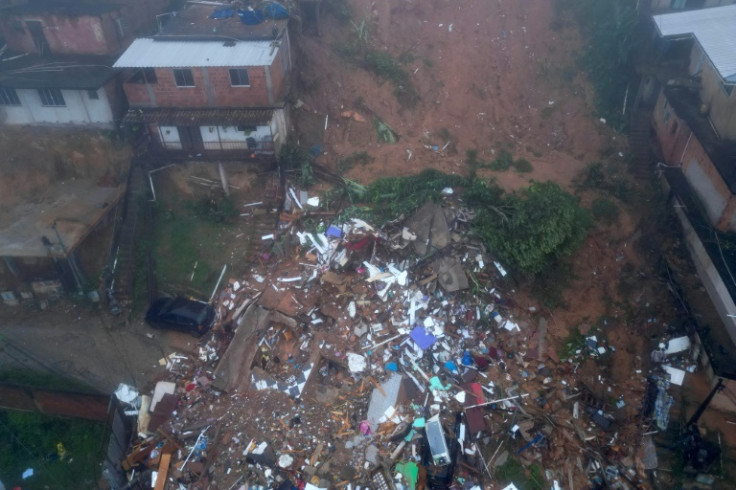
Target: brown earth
pixel 34 158
pixel 491 76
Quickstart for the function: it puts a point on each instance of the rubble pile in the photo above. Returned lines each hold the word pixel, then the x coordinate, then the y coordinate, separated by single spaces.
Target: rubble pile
pixel 357 357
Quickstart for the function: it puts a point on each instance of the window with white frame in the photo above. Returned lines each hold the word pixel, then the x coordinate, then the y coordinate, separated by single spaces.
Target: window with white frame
pixel 51 97
pixel 8 96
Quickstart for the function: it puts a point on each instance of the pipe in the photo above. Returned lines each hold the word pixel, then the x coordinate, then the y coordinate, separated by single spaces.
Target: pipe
pixel 150 179
pixel 497 401
pixel 686 145
pixel 224 268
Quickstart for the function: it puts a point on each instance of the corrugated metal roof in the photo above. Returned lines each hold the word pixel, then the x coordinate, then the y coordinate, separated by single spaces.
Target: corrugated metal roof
pixel 715 30
pixel 150 53
pixel 198 117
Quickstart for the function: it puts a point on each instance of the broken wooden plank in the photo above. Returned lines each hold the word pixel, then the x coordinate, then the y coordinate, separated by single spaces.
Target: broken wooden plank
pixel 163 471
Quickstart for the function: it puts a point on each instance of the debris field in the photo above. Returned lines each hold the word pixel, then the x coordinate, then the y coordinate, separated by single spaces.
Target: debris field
pixel 354 356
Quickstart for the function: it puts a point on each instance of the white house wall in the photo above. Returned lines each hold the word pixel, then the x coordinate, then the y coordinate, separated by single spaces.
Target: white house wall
pixel 170 137
pixel 79 109
pixel 279 128
pixel 231 137
pixel 713 202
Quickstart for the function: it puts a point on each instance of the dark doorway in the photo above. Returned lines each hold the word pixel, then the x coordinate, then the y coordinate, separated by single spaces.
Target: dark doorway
pixel 191 138
pixel 35 27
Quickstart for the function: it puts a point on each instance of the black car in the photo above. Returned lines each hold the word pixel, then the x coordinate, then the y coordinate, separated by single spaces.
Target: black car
pixel 183 314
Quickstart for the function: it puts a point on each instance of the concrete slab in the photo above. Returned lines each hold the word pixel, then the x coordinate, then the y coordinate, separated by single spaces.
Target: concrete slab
pixel 234 366
pixel 76 206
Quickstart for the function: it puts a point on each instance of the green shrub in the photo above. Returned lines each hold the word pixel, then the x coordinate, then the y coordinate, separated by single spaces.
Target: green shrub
pixel 535 227
pixel 523 165
pixel 605 210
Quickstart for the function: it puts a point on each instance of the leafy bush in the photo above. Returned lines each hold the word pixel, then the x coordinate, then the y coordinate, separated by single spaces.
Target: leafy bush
pixel 535 226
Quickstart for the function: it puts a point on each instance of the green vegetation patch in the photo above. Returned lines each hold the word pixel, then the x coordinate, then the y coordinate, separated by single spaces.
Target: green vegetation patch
pixel 186 234
pixel 392 197
pixel 532 228
pixel 610 27
pixel 503 162
pixel 530 478
pixel 357 50
pixel 29 440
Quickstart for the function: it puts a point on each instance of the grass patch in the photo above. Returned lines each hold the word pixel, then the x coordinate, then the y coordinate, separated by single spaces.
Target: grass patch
pixel 185 234
pixel 525 479
pixel 29 440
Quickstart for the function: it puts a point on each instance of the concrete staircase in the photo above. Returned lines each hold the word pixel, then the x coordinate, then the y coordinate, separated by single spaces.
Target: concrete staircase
pixel 640 144
pixel 127 235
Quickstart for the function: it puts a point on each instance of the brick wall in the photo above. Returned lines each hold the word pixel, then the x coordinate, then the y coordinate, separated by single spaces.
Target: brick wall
pixel 277 76
pixel 681 147
pixel 85 34
pixel 227 96
pixel 65 35
pixel 167 94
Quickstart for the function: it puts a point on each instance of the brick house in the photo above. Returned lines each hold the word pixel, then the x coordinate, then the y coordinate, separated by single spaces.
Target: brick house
pixel 695 115
pixel 694 120
pixel 204 85
pixel 57 68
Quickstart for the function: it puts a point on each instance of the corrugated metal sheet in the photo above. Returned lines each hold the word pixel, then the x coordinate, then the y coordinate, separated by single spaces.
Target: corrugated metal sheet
pixel 150 53
pixel 715 30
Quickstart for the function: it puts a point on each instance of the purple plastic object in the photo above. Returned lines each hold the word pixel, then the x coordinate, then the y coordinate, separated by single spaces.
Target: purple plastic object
pixel 423 339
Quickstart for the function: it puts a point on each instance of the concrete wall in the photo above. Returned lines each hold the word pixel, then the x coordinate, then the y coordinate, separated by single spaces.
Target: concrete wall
pixel 681 147
pixel 212 89
pixel 230 138
pixel 79 109
pixel 722 105
pixel 721 299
